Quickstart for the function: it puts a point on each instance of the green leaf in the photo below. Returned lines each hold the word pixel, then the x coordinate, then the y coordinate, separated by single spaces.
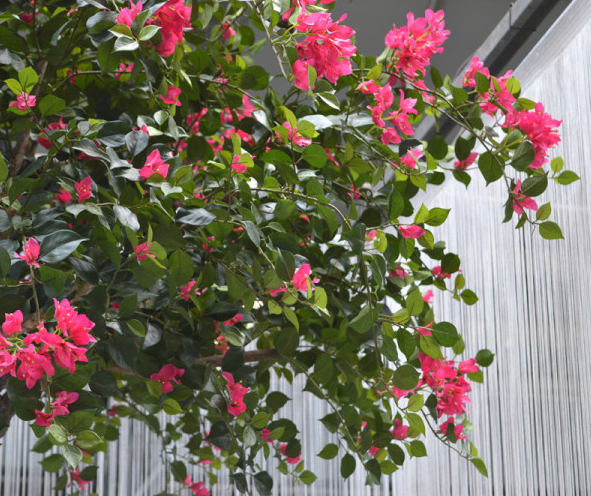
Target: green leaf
pixel 482 83
pixel 286 341
pixel 181 267
pixel 59 245
pixel 90 441
pixel 362 321
pixel 405 377
pixel 534 186
pixel 556 164
pixel 347 466
pixel 126 217
pixel 436 78
pixel 52 463
pixel 125 44
pixel 329 451
pixel 480 466
pixel 489 168
pixel 315 155
pixel 194 217
pixel 323 369
pixel 567 177
pixel 485 357
pixel 306 476
pixel 437 147
pixel 416 402
pixel 417 448
pixel 469 297
pixel 550 230
pixel 415 303
pixel 445 333
pixel 28 78
pixel 263 483
pixel 3 169
pixel 14 86
pixel 4 262
pixel 123 351
pixel 544 211
pixel 252 232
pixel 179 471
pixel 57 434
pixel 148 32
pixel 51 104
pixel 284 209
pixel 72 454
pixel 524 156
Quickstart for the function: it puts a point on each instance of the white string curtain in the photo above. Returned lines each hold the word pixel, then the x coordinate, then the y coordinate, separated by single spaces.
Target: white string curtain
pixel 530 415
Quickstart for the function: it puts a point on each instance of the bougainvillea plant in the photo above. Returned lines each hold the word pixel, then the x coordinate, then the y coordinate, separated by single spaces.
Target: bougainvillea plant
pixel 175 232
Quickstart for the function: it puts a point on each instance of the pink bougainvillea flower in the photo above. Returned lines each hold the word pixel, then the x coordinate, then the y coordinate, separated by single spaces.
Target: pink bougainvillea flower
pixel 227 31
pixel 127 15
pixel 355 194
pixel 413 231
pixel 154 165
pixel 415 43
pixel 265 435
pixel 328 47
pixel 75 476
pixel 457 428
pixel 172 96
pixel 293 136
pixel 34 365
pixel 12 322
pixel 143 251
pixel 24 101
pixel 521 202
pixel 428 296
pixel 301 277
pixel 63 196
pixel 27 17
pixel 189 289
pixel 411 158
pixel 426 330
pixel 238 166
pixel 31 253
pixel 300 73
pixel 467 162
pixel 280 289
pixel 237 392
pixel 400 431
pixel 234 320
pixel 84 189
pixel 173 17
pixel 292 460
pixel 398 272
pixel 437 272
pixel 43 140
pixel 468 366
pixel 167 375
pixel 197 488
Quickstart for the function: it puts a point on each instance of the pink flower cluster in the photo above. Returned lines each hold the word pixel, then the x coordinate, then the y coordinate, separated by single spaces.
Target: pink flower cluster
pixel 447 382
pixel 293 136
pixel 384 97
pixel 292 460
pixel 127 15
pixel 142 251
pixel 167 375
pixel 521 202
pixel 43 140
pixel 58 407
pixel 327 47
pixel 302 5
pixel 36 350
pixel 415 43
pixel 189 289
pixel 537 125
pixel 198 488
pixel 174 17
pixel 237 392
